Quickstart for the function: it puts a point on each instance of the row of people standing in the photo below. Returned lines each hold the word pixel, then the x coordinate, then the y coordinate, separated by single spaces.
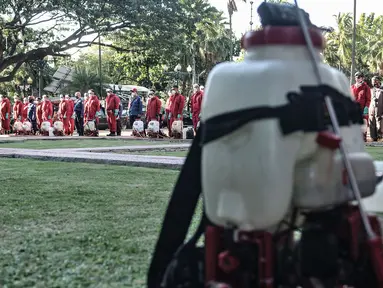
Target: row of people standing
pixel 371 102
pixel 35 111
pixel 75 114
pixel 175 106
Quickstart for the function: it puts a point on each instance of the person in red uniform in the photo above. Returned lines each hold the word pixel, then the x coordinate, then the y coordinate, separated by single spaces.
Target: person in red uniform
pixel 71 114
pixel 5 114
pixel 153 109
pixel 167 108
pixel 24 114
pixel 47 109
pixel 86 101
pixel 39 113
pixel 93 107
pixel 196 103
pixel 63 114
pixel 17 108
pixel 112 106
pixel 362 94
pixel 177 104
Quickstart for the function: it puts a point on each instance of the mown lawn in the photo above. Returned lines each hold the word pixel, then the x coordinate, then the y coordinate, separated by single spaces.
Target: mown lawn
pixel 79 225
pixel 376 152
pixel 80 143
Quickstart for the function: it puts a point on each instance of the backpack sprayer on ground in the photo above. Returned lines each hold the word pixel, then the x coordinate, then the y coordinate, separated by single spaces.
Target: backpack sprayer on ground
pixel 282 169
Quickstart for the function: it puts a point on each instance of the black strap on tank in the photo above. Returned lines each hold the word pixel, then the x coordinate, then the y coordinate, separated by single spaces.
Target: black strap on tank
pixel 304 112
pixel 179 214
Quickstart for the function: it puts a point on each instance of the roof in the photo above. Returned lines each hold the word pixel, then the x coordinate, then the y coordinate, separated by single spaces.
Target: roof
pixel 127 88
pixel 61 79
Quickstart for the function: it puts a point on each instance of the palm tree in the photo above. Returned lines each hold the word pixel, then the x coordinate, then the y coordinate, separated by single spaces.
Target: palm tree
pixel 84 79
pixel 231 8
pixel 206 38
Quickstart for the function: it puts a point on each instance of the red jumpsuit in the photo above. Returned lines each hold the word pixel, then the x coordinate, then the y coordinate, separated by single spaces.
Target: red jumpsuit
pixel 5 114
pixel 70 114
pixel 176 107
pixel 196 103
pixel 17 110
pixel 92 107
pixel 167 110
pixel 362 94
pixel 63 115
pixel 47 111
pixel 153 109
pixel 39 114
pixel 112 103
pixel 24 114
pixel 86 102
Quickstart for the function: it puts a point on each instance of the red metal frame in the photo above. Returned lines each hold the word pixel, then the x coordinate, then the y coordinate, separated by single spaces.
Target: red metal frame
pixel 222 266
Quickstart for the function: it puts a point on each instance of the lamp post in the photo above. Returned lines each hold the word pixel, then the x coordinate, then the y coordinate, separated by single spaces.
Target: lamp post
pixel 251 15
pixel 99 62
pixel 177 69
pixel 120 88
pixel 189 69
pixel 29 81
pixel 41 64
pixel 26 85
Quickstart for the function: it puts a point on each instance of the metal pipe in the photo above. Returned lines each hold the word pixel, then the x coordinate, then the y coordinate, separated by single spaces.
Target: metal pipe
pixel 251 15
pixel 353 47
pixel 99 62
pixel 231 36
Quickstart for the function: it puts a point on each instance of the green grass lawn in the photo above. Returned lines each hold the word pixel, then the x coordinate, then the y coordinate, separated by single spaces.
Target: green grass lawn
pixel 80 143
pixel 376 152
pixel 79 225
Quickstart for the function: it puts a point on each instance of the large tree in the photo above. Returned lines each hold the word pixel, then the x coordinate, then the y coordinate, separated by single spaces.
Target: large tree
pixel 33 29
pixel 195 35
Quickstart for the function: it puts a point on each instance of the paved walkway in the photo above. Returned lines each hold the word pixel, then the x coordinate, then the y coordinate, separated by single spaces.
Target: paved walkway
pixel 100 154
pixel 135 148
pixel 168 162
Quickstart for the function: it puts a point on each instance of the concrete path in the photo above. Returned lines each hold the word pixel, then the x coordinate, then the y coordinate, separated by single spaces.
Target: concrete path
pixel 159 147
pixel 168 162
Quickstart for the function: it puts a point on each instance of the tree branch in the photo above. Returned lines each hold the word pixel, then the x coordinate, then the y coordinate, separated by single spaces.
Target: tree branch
pixel 46 20
pixel 11 74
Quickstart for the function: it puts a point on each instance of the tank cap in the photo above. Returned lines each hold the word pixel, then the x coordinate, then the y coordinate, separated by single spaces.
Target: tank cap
pixel 281 35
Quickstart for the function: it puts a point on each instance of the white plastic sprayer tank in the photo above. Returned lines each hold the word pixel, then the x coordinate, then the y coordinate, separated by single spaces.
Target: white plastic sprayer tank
pixel 154 126
pixel 248 176
pixel 138 126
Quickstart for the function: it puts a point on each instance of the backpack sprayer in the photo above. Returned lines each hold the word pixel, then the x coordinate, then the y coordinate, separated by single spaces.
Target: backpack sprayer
pixel 282 169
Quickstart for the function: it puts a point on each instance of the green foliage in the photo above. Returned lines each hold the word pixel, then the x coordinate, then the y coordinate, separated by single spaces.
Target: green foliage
pixel 84 79
pixel 241 56
pixel 33 29
pixel 369 43
pixel 192 34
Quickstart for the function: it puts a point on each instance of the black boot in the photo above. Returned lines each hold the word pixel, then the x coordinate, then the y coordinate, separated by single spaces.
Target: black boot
pixel 111 134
